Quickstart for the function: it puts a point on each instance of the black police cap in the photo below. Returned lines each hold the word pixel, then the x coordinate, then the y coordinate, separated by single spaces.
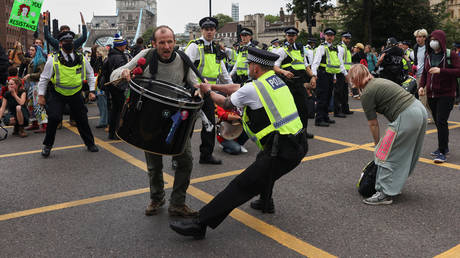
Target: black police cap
pixel 329 31
pixel 346 34
pixel 312 41
pixel 291 31
pixel 207 22
pixel 457 44
pixel 406 42
pixel 275 40
pixel 246 31
pixel 262 57
pixel 66 35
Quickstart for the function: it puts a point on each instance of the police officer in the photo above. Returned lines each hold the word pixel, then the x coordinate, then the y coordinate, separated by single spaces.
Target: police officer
pixel 325 67
pixel 274 45
pixel 271 119
pixel 240 70
pixel 341 107
pixel 117 57
pixel 292 69
pixel 391 61
pixel 309 50
pixel 208 58
pixel 67 70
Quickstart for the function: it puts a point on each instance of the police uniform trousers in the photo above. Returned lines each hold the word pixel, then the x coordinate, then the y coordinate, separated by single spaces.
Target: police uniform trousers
pixel 341 95
pixel 117 99
pixel 324 86
pixel 181 176
pixel 208 138
pixel 299 93
pixel 55 108
pixel 257 178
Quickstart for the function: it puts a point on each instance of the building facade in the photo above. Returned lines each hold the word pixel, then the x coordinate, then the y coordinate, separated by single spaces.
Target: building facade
pixel 132 19
pixel 235 12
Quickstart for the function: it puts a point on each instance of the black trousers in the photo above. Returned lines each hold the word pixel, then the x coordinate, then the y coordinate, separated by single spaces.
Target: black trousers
pixel 324 86
pixel 117 100
pixel 440 108
pixel 258 178
pixel 55 108
pixel 208 139
pixel 341 95
pixel 299 93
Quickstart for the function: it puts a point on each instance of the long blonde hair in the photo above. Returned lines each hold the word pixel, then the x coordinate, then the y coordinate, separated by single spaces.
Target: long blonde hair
pixel 359 75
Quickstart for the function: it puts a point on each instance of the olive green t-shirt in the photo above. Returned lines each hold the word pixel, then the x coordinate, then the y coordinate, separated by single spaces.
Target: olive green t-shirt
pixel 385 97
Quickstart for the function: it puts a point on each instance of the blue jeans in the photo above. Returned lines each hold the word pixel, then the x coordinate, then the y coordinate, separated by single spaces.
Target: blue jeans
pixel 234 146
pixel 102 105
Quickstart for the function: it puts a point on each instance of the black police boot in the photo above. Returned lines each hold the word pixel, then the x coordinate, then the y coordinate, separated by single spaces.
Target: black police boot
pixel 321 123
pixel 93 148
pixel 189 227
pixel 210 160
pixel 341 115
pixel 330 121
pixel 259 205
pixel 310 136
pixel 46 151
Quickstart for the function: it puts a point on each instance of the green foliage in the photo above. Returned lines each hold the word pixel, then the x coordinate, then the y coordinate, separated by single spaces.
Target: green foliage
pixel 223 19
pixel 299 7
pixel 272 18
pixel 374 21
pixel 147 35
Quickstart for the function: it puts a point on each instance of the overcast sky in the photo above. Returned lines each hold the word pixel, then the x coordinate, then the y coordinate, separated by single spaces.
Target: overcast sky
pixel 174 13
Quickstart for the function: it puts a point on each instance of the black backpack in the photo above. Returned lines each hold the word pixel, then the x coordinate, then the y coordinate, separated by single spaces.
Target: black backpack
pixel 366 183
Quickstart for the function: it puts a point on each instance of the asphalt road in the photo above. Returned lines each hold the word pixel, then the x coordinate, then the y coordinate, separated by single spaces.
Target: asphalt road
pixel 82 204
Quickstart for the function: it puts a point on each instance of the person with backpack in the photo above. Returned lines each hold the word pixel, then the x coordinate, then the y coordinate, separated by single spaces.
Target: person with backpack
pixel 439 84
pixel 166 64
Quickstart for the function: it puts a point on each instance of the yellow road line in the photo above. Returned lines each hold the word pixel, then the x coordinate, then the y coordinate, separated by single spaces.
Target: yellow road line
pixel 266 229
pixel 54 149
pixel 65 205
pixel 451 253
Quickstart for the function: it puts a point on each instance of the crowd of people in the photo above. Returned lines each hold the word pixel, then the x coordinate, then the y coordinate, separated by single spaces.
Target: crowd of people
pixel 269 91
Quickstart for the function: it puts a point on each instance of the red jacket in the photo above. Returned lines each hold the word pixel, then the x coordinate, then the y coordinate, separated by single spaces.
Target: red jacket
pixel 443 84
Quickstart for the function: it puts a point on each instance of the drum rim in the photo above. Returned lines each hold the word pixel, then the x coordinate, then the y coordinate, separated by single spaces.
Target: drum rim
pixel 165 83
pixel 176 103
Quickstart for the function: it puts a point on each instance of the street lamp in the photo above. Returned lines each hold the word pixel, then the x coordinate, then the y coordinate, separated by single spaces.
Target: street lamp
pixel 307 11
pixel 209 8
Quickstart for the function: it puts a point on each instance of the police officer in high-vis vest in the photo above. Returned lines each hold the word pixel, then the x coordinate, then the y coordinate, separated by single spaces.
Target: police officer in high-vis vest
pixel 271 120
pixel 239 72
pixel 291 67
pixel 325 67
pixel 208 58
pixel 66 70
pixel 274 45
pixel 341 107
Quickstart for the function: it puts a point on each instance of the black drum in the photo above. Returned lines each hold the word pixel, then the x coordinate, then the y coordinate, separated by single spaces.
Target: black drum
pixel 158 116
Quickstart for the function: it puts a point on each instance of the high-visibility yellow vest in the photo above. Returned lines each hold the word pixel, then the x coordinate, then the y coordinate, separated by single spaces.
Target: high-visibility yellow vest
pixel 297 58
pixel 279 106
pixel 232 58
pixel 241 65
pixel 68 80
pixel 346 57
pixel 209 66
pixel 332 64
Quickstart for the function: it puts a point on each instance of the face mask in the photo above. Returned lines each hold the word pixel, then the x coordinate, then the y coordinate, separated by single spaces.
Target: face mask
pixel 434 44
pixel 67 46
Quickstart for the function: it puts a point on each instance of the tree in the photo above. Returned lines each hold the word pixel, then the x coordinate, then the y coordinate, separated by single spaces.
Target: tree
pixel 299 7
pixel 147 35
pixel 223 19
pixel 272 18
pixel 373 21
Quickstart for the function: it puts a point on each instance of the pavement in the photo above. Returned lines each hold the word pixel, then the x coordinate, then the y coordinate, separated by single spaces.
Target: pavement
pixel 82 204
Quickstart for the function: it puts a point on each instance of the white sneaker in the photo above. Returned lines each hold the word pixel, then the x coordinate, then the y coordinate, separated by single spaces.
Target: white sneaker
pixel 379 198
pixel 243 149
